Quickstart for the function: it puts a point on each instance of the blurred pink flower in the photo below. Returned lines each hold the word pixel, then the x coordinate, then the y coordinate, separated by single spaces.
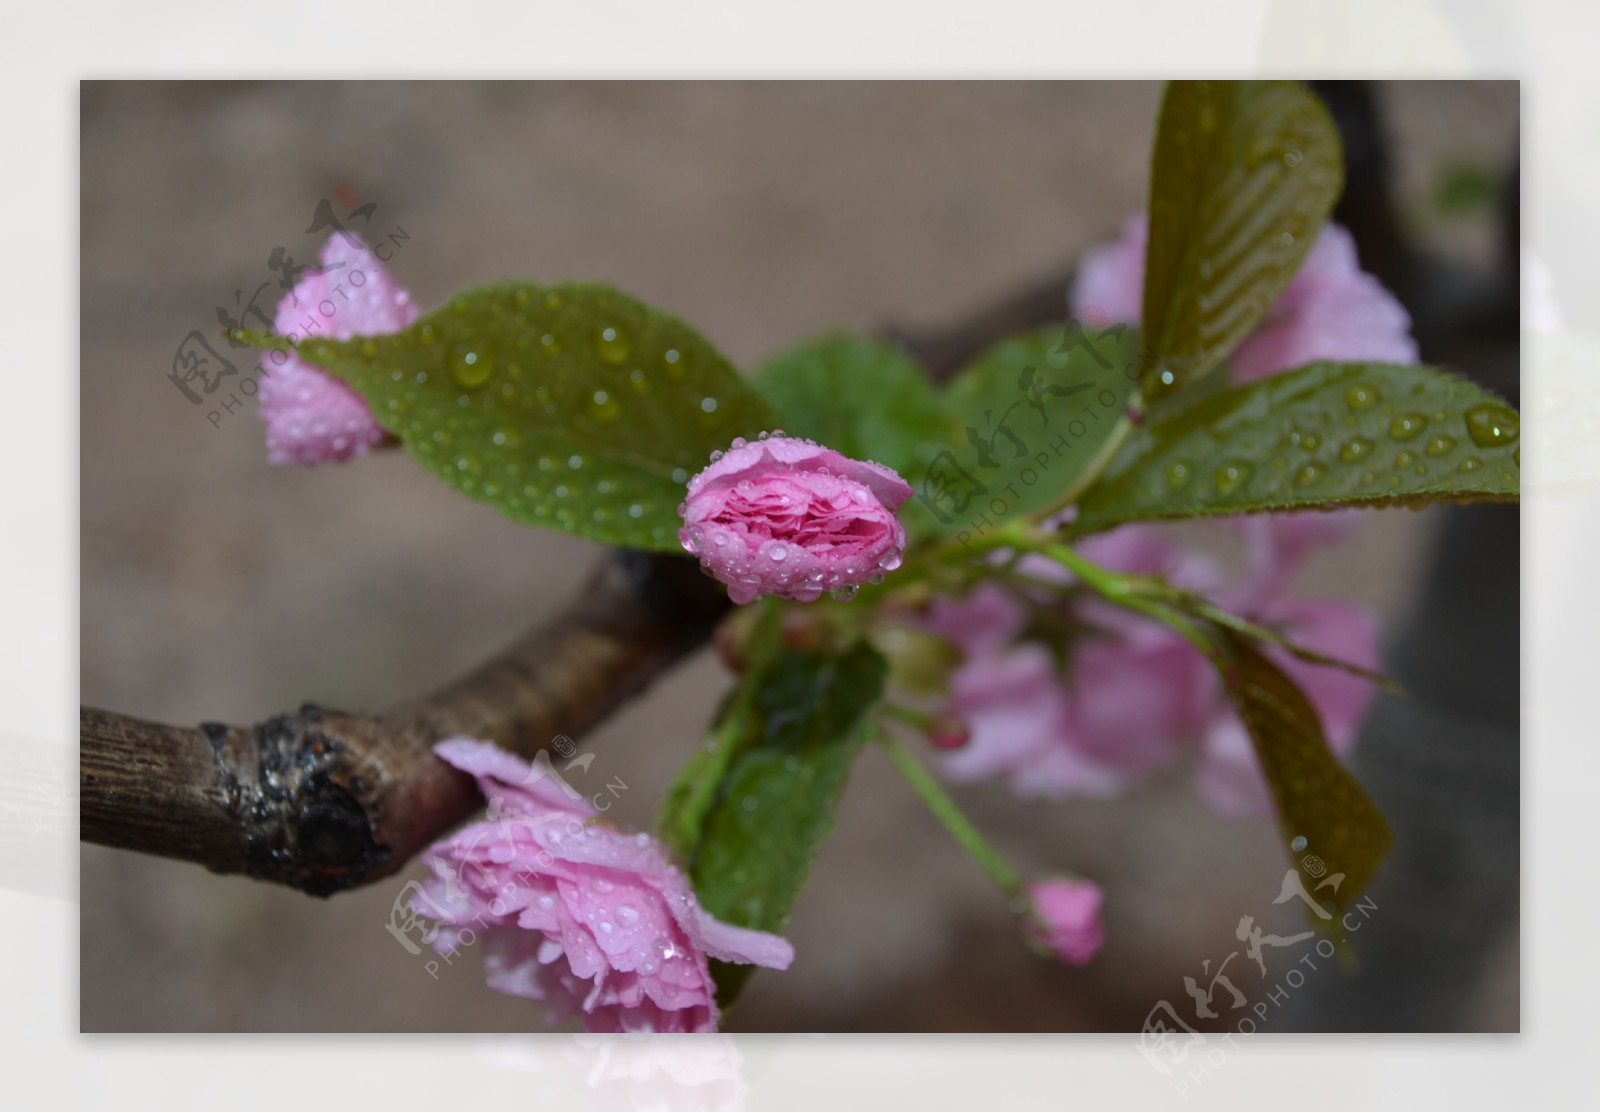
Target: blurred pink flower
pixel 1332 309
pixel 312 417
pixel 1019 721
pixel 788 517
pixel 1068 918
pixel 1133 695
pixel 576 912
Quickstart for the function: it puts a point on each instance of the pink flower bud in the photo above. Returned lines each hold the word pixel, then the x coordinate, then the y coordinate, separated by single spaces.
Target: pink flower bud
pixel 788 517
pixel 948 732
pixel 1067 918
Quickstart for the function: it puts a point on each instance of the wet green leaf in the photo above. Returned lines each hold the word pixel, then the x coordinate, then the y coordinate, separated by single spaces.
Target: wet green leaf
pixel 1324 436
pixel 1243 176
pixel 792 743
pixel 1030 414
pixel 573 406
pixel 861 397
pixel 1317 798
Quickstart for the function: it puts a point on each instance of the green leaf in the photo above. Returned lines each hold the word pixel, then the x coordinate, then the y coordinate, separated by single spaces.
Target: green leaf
pixel 573 406
pixel 1324 436
pixel 1243 176
pixel 1316 797
pixel 861 397
pixel 1031 413
pixel 785 765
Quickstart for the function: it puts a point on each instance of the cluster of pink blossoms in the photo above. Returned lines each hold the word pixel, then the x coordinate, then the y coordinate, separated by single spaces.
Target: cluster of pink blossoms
pixel 575 912
pixel 1137 696
pixel 598 921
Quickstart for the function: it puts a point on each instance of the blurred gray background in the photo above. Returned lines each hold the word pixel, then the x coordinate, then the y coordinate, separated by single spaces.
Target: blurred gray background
pixel 214 587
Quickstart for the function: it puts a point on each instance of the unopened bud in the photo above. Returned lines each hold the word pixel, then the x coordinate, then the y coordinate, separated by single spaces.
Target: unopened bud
pixel 947 732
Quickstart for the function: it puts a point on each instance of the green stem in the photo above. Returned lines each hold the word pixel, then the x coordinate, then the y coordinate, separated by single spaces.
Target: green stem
pixel 919 720
pixel 947 812
pixel 1136 593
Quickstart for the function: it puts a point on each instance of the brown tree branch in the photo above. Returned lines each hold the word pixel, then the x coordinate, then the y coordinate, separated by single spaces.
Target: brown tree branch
pixel 323 800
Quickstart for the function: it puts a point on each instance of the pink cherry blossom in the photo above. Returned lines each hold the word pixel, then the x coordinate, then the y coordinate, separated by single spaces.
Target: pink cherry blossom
pixel 1332 309
pixel 575 912
pixel 1067 918
pixel 312 417
pixel 788 517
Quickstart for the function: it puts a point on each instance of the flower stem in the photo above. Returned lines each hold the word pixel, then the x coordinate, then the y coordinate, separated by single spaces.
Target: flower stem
pixel 947 812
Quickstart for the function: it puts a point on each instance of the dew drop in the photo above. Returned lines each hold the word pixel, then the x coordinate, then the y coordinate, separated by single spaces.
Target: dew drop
pixel 778 554
pixel 1362 397
pixel 1292 157
pixel 844 592
pixel 1354 449
pixel 635 511
pixel 1491 424
pixel 1404 460
pixel 1231 475
pixel 1178 475
pixel 1407 425
pixel 612 345
pixel 471 368
pixel 1471 463
pixel 1307 475
pixel 709 405
pixel 1441 444
pixel 628 914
